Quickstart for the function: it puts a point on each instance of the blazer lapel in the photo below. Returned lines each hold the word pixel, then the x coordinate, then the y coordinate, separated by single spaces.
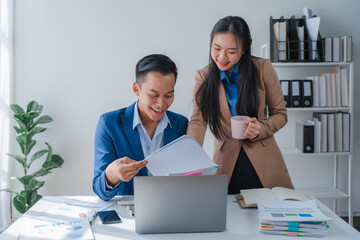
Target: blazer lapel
pixel 170 132
pixel 132 135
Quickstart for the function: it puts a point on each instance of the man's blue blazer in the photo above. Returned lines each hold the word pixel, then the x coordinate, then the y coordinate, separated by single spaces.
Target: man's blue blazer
pixel 115 138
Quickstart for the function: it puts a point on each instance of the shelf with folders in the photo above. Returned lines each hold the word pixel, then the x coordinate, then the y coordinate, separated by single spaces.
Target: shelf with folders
pixel 333 160
pixel 286 46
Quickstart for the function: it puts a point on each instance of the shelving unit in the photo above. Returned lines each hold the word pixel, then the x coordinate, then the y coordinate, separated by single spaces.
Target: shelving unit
pixel 298 70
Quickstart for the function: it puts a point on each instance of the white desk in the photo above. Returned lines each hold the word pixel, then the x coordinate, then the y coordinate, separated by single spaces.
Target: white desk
pixel 241 224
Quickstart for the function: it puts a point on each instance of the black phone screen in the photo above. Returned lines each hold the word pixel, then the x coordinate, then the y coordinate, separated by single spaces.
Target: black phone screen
pixel 110 216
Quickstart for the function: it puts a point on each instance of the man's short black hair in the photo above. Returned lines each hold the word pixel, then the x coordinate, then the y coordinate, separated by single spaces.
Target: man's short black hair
pixel 157 63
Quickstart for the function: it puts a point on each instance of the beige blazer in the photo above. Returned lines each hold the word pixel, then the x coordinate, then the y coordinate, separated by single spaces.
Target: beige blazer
pixel 263 151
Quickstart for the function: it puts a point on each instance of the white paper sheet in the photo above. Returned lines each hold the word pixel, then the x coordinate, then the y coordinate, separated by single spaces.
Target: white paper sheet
pixel 290 211
pixel 79 206
pixel 49 228
pixel 182 155
pixel 313 25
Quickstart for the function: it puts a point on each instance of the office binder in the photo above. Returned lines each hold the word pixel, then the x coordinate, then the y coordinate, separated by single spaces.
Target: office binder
pixel 336 49
pixel 316 90
pixel 323 119
pixel 285 87
pixel 337 86
pixel 304 140
pixel 346 131
pixel 317 135
pixel 346 46
pixel 322 90
pixel 295 89
pixel 331 132
pixel 328 90
pixel 307 93
pixel 333 89
pixel 344 79
pixel 328 49
pixel 338 132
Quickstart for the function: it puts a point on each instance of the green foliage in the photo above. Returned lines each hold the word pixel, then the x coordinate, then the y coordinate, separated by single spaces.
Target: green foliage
pixel 25 131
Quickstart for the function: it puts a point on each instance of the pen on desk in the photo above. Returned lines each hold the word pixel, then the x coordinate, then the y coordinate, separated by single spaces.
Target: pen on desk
pixel 92 219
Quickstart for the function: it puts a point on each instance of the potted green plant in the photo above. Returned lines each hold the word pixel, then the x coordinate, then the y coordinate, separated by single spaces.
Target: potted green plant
pixel 25 131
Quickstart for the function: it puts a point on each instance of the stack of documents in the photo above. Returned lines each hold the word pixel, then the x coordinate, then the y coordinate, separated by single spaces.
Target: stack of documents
pixel 291 218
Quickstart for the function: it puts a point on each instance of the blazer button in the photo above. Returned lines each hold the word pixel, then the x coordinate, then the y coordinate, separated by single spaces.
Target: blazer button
pixel 109 195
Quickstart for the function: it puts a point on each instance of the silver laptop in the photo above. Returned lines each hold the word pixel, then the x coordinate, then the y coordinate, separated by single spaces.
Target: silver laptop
pixel 175 204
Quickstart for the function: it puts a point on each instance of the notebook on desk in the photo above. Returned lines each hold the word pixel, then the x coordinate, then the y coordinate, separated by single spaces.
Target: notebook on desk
pixel 175 204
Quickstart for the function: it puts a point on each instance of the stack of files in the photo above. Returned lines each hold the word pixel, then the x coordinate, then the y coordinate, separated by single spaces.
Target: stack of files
pixel 291 218
pixel 337 49
pixel 327 132
pixel 295 229
pixel 330 89
pixel 297 93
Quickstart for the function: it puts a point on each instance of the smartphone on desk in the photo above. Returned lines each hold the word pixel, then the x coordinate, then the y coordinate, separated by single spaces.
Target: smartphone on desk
pixel 109 216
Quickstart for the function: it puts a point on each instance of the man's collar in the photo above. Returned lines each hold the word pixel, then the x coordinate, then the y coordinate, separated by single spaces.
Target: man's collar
pixel 137 120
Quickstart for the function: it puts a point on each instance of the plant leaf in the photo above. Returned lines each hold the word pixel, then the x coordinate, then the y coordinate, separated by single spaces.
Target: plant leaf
pixel 32 106
pixel 42 120
pixel 21 144
pixel 34 184
pixel 36 155
pixel 20 204
pixel 25 194
pixel 34 198
pixel 20 117
pixel 48 157
pixel 22 125
pixel 30 146
pixel 18 158
pixel 35 130
pixel 18 130
pixel 55 162
pixel 17 109
pixel 25 179
pixel 41 172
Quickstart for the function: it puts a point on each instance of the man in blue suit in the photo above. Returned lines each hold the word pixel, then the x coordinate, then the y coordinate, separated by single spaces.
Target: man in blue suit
pixel 125 137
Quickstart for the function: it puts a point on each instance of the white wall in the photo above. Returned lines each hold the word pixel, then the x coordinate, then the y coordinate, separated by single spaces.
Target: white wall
pixel 77 58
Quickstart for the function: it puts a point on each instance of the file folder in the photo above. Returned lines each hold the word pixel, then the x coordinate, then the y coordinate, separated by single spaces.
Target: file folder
pixel 285 87
pixel 305 136
pixel 307 93
pixel 295 89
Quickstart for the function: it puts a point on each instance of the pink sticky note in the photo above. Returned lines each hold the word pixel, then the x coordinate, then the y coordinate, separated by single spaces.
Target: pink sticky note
pixel 292 234
pixel 197 172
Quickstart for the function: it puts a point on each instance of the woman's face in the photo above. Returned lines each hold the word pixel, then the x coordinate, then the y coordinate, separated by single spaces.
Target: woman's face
pixel 226 51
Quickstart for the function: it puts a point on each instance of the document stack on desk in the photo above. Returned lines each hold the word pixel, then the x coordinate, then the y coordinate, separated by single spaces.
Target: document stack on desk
pixel 291 218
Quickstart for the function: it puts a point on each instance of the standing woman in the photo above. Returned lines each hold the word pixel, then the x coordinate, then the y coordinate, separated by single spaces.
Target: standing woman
pixel 235 83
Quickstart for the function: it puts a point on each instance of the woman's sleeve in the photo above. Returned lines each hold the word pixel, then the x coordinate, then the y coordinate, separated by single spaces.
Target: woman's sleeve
pixel 277 113
pixel 197 125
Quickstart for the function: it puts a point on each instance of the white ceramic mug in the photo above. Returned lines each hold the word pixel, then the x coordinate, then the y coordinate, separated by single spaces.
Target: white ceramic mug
pixel 238 126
